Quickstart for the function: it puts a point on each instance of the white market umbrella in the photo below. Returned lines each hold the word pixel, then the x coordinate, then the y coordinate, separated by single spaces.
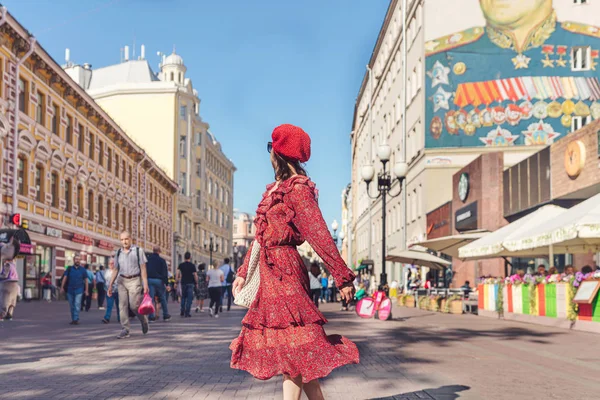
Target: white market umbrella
pixel 577 230
pixel 450 244
pixel 492 245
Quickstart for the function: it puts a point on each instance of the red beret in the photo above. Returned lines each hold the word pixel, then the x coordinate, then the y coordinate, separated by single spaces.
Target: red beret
pixel 291 142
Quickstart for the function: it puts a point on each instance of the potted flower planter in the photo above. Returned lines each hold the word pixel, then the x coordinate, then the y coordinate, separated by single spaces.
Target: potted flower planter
pixel 456 307
pixel 410 302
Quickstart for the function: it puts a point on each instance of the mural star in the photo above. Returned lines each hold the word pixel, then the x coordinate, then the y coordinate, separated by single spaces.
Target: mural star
pixel 499 137
pixel 441 100
pixel 539 133
pixel 439 74
pixel 561 62
pixel 521 61
pixel 546 62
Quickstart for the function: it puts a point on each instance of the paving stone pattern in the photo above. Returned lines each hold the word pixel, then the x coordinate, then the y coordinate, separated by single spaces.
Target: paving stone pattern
pixel 418 355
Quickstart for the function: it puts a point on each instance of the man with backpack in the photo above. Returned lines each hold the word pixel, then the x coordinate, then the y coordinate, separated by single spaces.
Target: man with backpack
pixel 130 261
pixel 75 279
pixel 229 278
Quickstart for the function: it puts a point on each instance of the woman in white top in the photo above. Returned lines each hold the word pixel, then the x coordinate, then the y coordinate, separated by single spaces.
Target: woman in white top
pixel 215 278
pixel 315 283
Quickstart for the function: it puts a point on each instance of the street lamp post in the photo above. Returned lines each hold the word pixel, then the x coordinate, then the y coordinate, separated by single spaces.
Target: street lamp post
pixel 335 226
pixel 211 247
pixel 384 185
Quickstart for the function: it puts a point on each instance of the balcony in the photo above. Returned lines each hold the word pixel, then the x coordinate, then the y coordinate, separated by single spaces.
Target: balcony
pixel 184 203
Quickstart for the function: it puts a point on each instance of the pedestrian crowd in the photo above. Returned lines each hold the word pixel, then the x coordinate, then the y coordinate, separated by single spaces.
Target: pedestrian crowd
pixel 132 274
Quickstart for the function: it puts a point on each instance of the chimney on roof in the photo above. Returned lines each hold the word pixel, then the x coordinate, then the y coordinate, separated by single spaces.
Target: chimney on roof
pixel 126 53
pixel 143 53
pixel 68 56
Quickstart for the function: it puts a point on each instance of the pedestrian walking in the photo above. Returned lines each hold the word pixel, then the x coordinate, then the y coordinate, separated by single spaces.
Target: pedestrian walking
pixel 48 289
pixel 101 286
pixel 215 279
pixel 158 278
pixel 188 278
pixel 9 278
pixel 331 290
pixel 202 291
pixel 172 287
pixel 130 261
pixel 113 298
pixel 75 282
pixel 86 302
pixel 272 340
pixel 324 292
pixel 315 283
pixel 229 278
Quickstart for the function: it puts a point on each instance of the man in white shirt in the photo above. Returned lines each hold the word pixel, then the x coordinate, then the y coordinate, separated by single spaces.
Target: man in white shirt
pixel 229 278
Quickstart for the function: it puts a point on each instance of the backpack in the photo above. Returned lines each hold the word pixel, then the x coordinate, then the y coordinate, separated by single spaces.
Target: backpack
pixel 230 276
pixel 137 251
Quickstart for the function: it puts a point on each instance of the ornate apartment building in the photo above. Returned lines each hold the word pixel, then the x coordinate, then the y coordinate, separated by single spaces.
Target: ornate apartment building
pixel 161 111
pixel 441 91
pixel 71 172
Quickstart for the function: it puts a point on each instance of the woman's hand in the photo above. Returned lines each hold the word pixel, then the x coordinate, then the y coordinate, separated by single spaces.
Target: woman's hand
pixel 238 284
pixel 347 292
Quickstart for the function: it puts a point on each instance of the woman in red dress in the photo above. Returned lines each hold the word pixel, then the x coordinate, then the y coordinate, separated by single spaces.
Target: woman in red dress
pixel 282 333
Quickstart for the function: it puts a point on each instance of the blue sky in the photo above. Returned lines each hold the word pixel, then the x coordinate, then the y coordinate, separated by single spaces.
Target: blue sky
pixel 256 64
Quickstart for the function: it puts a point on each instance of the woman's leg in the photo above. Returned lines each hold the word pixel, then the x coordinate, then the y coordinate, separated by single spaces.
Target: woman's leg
pixel 201 304
pixel 292 387
pixel 313 390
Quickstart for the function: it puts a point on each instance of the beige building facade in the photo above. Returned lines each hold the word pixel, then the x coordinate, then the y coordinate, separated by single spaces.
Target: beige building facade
pixel 161 111
pixel 68 169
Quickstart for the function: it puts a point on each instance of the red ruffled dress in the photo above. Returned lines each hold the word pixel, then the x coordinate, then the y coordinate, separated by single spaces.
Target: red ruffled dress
pixel 282 333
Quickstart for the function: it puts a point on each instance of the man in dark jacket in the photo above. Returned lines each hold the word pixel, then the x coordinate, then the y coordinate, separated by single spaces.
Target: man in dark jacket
pixel 158 277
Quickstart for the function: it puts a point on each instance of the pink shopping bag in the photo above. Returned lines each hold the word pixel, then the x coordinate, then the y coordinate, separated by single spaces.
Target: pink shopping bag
pixel 146 308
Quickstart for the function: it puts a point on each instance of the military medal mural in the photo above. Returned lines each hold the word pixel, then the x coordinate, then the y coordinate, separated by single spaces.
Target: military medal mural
pixel 490 86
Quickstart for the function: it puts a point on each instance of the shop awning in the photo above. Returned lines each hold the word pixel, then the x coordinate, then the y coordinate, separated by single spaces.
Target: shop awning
pixel 364 265
pixel 450 244
pixel 492 245
pixel 420 258
pixel 576 230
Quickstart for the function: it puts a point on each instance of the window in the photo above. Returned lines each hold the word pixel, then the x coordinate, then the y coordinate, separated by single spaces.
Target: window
pixel 579 1
pixel 109 160
pixel 40 116
pixel 54 189
pixel 578 122
pixel 68 195
pixel 90 205
pixel 123 169
pixel 199 138
pixel 22 95
pixel 183 182
pixel 21 176
pixel 55 117
pixel 182 112
pixel 581 58
pixel 80 201
pixel 101 153
pixel 39 178
pixel 100 210
pixel 183 147
pixel 109 211
pixel 227 197
pixel 81 139
pixel 124 218
pixel 414 83
pixel 198 168
pixel 92 146
pixel 419 74
pixel 210 186
pixel 130 176
pixel 69 130
pixel 198 199
pixel 130 222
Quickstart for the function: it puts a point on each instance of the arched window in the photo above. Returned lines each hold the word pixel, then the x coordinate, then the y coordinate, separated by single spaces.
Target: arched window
pixel 109 212
pixel 54 189
pixel 39 182
pixel 172 77
pixel 80 201
pixel 124 219
pixel 90 205
pixel 22 176
pixel 130 224
pixel 100 209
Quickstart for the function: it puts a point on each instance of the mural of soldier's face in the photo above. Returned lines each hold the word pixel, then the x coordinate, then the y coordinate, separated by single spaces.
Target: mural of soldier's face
pixel 509 12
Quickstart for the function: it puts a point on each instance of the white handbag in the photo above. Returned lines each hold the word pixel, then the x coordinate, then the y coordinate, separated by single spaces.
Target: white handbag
pixel 245 297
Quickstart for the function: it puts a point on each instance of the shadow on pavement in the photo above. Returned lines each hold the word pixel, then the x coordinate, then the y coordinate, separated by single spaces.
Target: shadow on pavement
pixel 441 393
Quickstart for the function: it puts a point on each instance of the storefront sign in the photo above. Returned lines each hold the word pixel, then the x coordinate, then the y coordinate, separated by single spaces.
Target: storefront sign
pixel 35 227
pixel 57 233
pixel 79 238
pixel 466 218
pixel 439 221
pixel 105 245
pixel 25 248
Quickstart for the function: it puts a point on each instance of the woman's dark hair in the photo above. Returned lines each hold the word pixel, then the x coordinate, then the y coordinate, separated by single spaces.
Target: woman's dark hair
pixel 283 170
pixel 202 266
pixel 586 270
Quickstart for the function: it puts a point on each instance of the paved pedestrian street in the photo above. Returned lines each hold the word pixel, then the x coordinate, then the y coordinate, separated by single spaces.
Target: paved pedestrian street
pixel 418 355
